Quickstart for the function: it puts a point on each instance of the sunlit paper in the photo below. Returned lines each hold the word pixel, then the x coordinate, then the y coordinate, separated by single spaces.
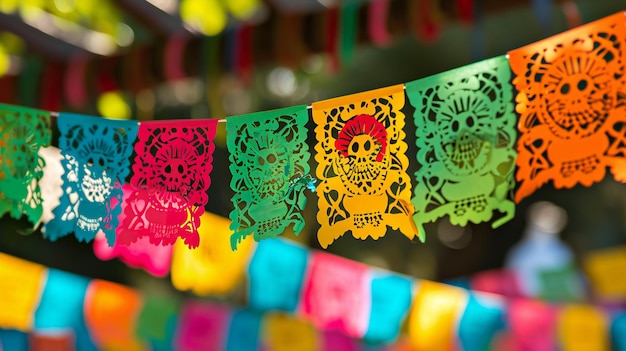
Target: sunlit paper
pixel 21 283
pixel 171 176
pixel 96 154
pixel 282 332
pixel 532 324
pixel 570 90
pixel 433 318
pixel 583 327
pixel 363 185
pixel 391 301
pixel 270 172
pixel 111 312
pixel 23 131
pixel 276 274
pixel 465 135
pixel 202 327
pixel 337 294
pixel 154 259
pixel 61 303
pixel 51 183
pixel 212 268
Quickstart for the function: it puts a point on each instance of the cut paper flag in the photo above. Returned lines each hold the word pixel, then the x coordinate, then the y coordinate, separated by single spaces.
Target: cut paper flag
pixel 364 187
pixel 154 259
pixel 270 172
pixel 333 340
pixel 111 313
pixel 51 341
pixel 23 131
pixel 96 154
pixel 583 328
pixel 391 301
pixel 570 97
pixel 618 332
pixel 434 316
pixel 213 268
pixel 465 135
pixel 202 327
pixel 337 294
pixel 482 318
pixel 51 183
pixel 244 331
pixel 61 304
pixel 276 273
pixel 21 283
pixel 604 269
pixel 157 321
pixel 171 176
pixel 532 325
pixel 283 332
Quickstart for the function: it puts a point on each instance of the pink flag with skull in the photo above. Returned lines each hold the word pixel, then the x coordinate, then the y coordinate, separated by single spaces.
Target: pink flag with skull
pixel 171 176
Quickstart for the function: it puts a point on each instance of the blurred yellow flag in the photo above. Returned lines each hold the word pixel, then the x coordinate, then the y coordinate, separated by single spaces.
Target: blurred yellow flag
pixel 583 328
pixel 21 284
pixel 605 269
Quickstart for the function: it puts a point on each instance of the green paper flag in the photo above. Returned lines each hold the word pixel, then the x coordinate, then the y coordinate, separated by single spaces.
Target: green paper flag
pixel 270 171
pixel 23 132
pixel 465 137
pixel 157 319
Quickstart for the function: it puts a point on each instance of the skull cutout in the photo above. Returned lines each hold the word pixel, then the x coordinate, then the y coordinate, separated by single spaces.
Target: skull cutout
pixel 364 187
pixel 170 182
pixel 268 158
pixel 362 142
pixel 570 95
pixel 465 136
pixel 23 132
pixel 95 159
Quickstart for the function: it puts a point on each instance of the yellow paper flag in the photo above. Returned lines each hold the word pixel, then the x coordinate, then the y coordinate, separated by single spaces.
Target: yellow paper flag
pixel 285 333
pixel 583 328
pixel 21 284
pixel 605 269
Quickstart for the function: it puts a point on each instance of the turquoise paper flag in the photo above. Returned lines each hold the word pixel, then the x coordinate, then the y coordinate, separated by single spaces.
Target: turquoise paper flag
pixel 483 316
pixel 276 275
pixel 243 334
pixel 13 340
pixel 391 301
pixel 618 332
pixel 61 305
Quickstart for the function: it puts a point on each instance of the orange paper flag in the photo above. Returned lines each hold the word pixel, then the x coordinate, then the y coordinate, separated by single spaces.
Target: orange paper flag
pixel 364 187
pixel 570 97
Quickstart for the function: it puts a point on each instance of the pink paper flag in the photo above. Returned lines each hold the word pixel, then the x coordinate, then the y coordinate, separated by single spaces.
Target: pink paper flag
pixel 533 325
pixel 154 259
pixel 202 327
pixel 171 176
pixel 337 295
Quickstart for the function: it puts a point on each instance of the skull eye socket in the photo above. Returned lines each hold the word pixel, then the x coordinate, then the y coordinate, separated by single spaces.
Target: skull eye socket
pixel 271 158
pixel 181 169
pixel 168 169
pixel 90 162
pixel 261 160
pixel 355 147
pixel 565 89
pixel 367 146
pixel 101 162
pixel 455 126
pixel 582 84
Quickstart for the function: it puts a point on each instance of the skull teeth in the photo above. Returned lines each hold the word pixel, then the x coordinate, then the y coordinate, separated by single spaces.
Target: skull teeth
pixel 163 232
pixel 269 225
pixel 88 224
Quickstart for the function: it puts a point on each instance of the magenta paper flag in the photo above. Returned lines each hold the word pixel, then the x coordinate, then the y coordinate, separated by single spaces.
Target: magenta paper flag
pixel 171 176
pixel 337 294
pixel 532 324
pixel 154 259
pixel 202 327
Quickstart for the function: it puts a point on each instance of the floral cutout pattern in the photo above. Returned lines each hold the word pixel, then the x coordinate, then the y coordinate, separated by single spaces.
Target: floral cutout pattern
pixel 465 134
pixel 270 172
pixel 23 132
pixel 570 96
pixel 171 176
pixel 95 162
pixel 363 186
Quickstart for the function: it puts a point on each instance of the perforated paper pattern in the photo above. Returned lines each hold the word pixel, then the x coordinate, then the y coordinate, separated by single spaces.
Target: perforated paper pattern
pixel 465 135
pixel 23 132
pixel 171 176
pixel 96 161
pixel 570 96
pixel 363 185
pixel 270 172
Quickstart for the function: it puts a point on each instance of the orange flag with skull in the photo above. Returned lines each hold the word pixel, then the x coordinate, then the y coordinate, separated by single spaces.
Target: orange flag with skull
pixel 364 187
pixel 571 96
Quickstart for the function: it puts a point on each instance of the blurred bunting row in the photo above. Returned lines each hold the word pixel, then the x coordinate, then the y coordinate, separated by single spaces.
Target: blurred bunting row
pixel 564 97
pixel 293 303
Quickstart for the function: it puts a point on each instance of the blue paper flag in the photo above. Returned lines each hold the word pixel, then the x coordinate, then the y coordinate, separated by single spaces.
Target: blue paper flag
pixel 95 162
pixel 483 316
pixel 61 305
pixel 276 274
pixel 13 340
pixel 391 301
pixel 243 334
pixel 618 332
